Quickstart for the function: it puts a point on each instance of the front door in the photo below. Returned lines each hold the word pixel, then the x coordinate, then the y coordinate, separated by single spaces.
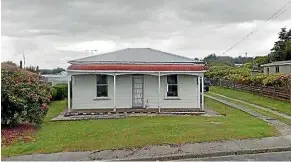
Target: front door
pixel 137 91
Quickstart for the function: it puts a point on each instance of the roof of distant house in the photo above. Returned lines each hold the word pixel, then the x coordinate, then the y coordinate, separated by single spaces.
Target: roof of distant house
pixel 58 75
pixel 277 63
pixel 135 56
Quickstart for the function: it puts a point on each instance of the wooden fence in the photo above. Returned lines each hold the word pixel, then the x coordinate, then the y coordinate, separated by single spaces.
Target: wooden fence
pixel 267 91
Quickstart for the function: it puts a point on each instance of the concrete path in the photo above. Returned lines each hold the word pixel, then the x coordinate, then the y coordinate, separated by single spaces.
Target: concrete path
pixel 257 106
pixel 283 128
pixel 172 152
pixel 273 156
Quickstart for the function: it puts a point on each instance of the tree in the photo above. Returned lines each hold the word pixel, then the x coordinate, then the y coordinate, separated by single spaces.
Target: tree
pixel 34 69
pixel 51 71
pixel 10 63
pixel 281 49
pixel 287 50
pixel 214 60
pixel 210 58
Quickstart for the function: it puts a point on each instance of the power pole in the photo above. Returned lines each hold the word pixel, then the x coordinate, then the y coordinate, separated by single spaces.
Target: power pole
pixel 246 57
pixel 23 61
pixel 91 51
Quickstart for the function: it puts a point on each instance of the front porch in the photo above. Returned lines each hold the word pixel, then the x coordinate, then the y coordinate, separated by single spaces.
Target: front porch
pixel 90 114
pixel 142 91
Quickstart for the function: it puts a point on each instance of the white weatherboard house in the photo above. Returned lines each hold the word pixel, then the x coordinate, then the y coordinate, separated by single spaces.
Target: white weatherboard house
pixel 136 78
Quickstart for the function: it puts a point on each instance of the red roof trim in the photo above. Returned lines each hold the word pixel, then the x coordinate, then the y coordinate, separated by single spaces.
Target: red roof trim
pixel 138 67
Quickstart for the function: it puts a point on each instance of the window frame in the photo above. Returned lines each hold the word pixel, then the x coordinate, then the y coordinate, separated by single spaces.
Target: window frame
pixel 101 84
pixel 167 88
pixel 277 69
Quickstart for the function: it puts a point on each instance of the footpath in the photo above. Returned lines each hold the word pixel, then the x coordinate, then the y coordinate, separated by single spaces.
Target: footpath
pixel 172 152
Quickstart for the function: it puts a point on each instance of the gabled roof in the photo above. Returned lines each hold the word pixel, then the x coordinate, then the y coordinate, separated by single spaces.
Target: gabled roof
pixel 135 56
pixel 277 63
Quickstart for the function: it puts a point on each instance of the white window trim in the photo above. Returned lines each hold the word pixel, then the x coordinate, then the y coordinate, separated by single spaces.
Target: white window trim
pixel 166 89
pixel 102 98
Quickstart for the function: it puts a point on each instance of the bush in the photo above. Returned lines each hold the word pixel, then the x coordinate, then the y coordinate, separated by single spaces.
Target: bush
pixel 62 91
pixel 24 97
pixel 243 75
pixel 54 93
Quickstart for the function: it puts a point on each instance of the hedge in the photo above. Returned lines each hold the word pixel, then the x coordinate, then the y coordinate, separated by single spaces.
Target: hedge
pixel 62 91
pixel 54 93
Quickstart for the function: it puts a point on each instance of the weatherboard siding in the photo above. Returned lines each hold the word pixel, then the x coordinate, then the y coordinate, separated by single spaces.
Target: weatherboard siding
pixel 283 69
pixel 84 92
pixel 187 92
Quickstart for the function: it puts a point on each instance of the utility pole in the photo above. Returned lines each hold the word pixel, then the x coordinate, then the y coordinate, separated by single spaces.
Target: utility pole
pixel 23 61
pixel 91 51
pixel 246 57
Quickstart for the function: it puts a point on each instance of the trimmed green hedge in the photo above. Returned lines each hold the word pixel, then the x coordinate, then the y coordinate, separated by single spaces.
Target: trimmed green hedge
pixel 61 91
pixel 54 93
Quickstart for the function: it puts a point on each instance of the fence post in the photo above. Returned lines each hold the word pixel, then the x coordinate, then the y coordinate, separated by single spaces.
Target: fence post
pixel 261 90
pixel 275 92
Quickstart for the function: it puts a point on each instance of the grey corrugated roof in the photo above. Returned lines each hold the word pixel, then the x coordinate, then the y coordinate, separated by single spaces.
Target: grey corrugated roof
pixel 288 62
pixel 135 55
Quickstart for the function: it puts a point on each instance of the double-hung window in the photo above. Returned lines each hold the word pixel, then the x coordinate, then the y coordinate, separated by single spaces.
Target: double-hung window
pixel 102 86
pixel 172 86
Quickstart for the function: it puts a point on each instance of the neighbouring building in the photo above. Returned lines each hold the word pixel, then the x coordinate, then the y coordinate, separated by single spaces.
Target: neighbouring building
pixel 283 67
pixel 60 78
pixel 238 65
pixel 136 78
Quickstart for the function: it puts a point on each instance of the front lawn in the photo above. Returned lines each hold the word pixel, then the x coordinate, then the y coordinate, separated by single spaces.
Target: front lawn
pixel 277 105
pixel 140 131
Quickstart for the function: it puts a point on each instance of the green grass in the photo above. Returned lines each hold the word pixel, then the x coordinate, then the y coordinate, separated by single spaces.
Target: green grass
pixel 140 131
pixel 266 113
pixel 277 105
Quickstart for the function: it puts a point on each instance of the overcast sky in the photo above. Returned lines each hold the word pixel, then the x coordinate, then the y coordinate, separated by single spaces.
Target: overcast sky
pixel 52 32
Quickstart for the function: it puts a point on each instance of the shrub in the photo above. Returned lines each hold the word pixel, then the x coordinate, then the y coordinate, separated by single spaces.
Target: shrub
pixel 54 93
pixel 24 97
pixel 62 91
pixel 243 75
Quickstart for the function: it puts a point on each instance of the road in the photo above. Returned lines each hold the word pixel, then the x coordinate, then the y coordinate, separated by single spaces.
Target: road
pixel 275 156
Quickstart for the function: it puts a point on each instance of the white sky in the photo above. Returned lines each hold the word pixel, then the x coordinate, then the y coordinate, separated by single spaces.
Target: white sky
pixel 52 32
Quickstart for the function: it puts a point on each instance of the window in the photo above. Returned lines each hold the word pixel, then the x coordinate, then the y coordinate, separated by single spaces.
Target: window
pixel 277 69
pixel 268 70
pixel 102 86
pixel 172 86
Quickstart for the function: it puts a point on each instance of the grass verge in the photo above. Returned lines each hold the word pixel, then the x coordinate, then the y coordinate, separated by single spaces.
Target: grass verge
pixel 140 131
pixel 277 105
pixel 266 113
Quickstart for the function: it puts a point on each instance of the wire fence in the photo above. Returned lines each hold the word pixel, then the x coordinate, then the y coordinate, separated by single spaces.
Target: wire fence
pixel 280 93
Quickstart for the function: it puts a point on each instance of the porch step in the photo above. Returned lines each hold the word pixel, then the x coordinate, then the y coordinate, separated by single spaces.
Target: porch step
pixel 138 112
